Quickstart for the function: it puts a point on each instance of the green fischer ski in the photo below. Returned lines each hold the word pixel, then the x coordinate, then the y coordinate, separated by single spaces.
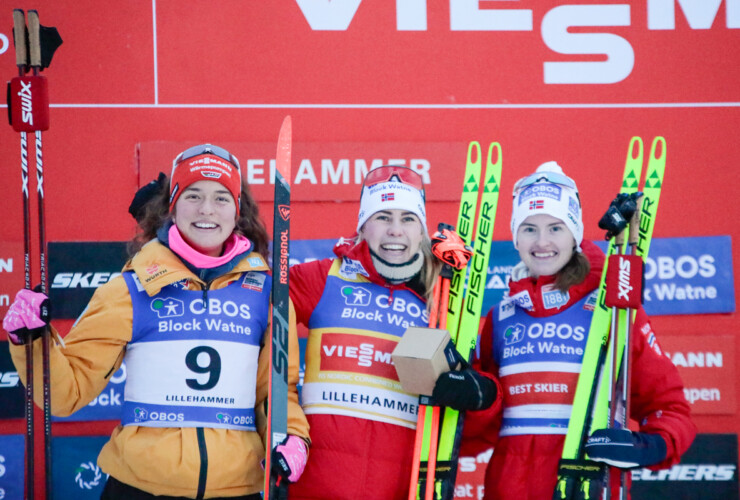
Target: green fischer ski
pixel 596 351
pixel 467 334
pixel 464 228
pixel 648 209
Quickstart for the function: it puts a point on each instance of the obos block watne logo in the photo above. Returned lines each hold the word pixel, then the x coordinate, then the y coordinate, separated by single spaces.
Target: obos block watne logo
pixel 514 334
pixel 140 414
pixel 356 296
pixel 166 307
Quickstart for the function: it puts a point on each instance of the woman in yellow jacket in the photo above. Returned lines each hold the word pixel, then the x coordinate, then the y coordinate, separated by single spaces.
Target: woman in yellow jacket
pixel 188 316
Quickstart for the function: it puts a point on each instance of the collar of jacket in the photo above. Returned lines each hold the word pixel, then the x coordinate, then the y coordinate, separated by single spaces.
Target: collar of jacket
pixel 534 286
pixel 347 248
pixel 157 266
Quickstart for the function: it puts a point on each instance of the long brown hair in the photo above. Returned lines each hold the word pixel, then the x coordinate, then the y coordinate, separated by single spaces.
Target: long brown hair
pixel 572 273
pixel 157 213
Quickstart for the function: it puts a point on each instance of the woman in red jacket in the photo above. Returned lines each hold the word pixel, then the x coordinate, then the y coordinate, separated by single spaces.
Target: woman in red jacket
pixel 534 341
pixel 357 306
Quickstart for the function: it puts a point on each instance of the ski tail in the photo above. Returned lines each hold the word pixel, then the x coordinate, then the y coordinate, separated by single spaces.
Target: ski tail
pixel 277 409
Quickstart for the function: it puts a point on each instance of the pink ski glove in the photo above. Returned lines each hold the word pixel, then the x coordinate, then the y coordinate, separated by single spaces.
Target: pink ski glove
pixel 290 458
pixel 26 316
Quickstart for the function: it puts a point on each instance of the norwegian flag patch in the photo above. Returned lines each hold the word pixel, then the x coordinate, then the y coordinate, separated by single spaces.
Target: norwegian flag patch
pixel 536 204
pixel 387 197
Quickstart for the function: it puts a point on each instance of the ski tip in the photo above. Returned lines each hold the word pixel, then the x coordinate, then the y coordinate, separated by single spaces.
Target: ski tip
pixel 474 155
pixel 494 146
pixel 284 148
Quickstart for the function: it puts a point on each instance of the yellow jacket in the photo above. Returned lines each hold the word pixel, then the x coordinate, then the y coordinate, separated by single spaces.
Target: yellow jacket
pixel 162 461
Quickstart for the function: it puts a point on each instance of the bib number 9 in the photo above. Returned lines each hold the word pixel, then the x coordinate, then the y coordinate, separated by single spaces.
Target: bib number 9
pixel 212 367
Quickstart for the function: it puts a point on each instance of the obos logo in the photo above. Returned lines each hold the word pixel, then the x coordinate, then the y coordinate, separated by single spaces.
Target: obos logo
pixel 88 476
pixel 167 307
pixel 514 334
pixel 223 418
pixel 540 191
pixel 356 296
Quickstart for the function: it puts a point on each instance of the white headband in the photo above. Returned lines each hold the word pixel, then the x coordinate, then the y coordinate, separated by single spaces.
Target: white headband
pixel 388 196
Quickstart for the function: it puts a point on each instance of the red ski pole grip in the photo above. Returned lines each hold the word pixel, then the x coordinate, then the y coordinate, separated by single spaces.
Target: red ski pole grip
pixel 28 103
pixel 624 281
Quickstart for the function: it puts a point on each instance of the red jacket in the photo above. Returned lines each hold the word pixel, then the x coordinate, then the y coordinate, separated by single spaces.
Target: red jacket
pixel 524 467
pixel 350 457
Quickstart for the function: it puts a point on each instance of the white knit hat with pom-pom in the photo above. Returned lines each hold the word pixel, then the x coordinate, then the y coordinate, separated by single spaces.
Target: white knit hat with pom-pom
pixel 548 191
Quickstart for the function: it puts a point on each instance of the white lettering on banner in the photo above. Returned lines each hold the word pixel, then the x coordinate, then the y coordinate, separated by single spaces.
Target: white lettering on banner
pixel 6 265
pixel 4 43
pixel 4 300
pixel 697 359
pixel 672 291
pixel 699 472
pixel 82 280
pixel 685 266
pixel 700 14
pixel 695 394
pixel 620 58
pixel 2 466
pixel 9 379
pixel 467 15
pixel 342 171
pixel 111 398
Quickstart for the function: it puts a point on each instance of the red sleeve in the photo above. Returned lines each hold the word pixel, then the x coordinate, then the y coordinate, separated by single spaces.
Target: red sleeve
pixel 481 427
pixel 306 284
pixel 658 402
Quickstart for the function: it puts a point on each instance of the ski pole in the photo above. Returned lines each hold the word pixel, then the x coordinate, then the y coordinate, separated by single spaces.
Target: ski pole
pixel 422 416
pixel 21 56
pixel 34 44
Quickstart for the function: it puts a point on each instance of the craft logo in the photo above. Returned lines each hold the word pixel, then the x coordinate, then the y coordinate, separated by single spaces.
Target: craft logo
pixel 387 197
pixel 514 334
pixel 254 281
pixel 553 298
pixel 537 204
pixel 167 307
pixel 152 269
pixel 356 296
pixel 88 476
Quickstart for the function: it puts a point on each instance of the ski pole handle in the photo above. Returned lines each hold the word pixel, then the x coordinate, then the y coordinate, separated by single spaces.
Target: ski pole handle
pixel 19 34
pixel 34 39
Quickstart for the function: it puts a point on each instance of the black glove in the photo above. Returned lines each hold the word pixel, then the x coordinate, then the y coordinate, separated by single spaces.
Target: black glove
pixel 145 194
pixel 626 449
pixel 464 390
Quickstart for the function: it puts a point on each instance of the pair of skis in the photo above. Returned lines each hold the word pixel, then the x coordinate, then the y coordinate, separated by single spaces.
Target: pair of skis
pixel 437 449
pixel 277 406
pixel 606 357
pixel 28 106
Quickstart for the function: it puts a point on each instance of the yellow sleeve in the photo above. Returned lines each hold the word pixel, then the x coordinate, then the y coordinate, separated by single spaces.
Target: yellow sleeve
pixel 297 423
pixel 82 364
